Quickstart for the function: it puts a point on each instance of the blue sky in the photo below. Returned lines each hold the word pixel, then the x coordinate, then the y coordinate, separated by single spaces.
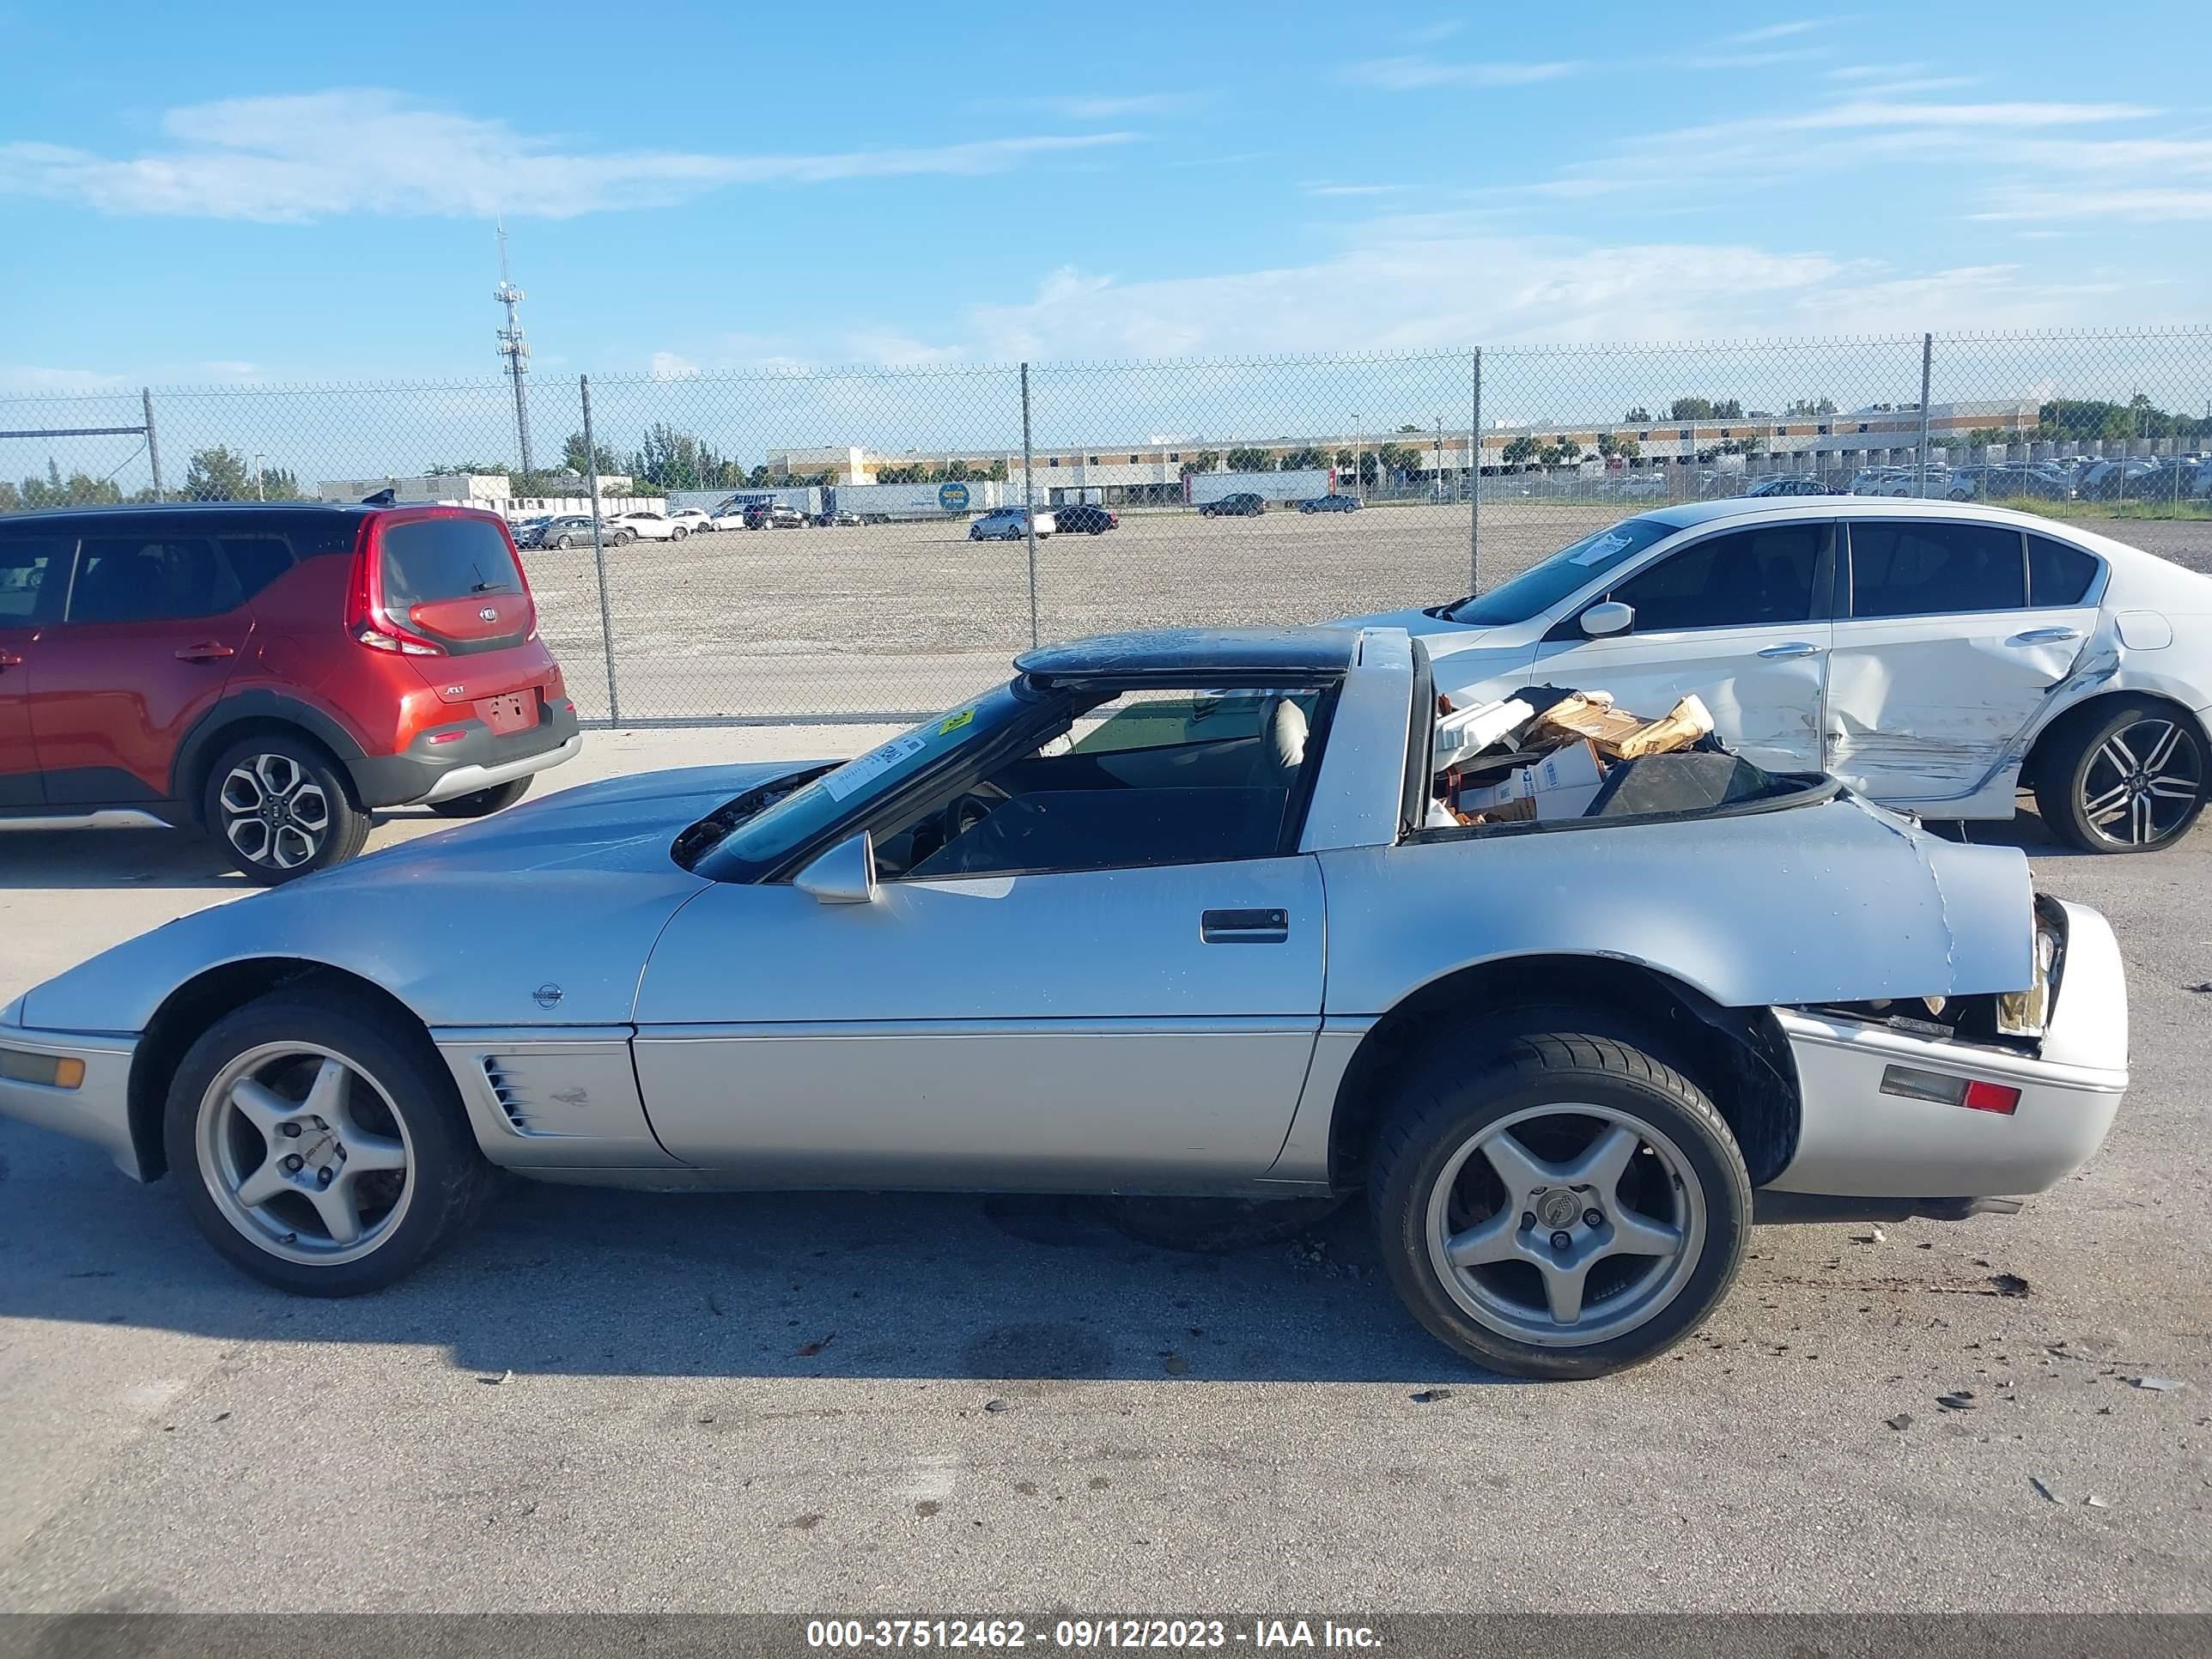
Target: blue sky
pixel 285 193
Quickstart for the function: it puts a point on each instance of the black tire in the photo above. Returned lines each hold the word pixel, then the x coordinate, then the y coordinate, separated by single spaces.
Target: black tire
pixel 1558 1058
pixel 2078 767
pixel 678 533
pixel 483 802
pixel 444 1185
pixel 564 541
pixel 281 807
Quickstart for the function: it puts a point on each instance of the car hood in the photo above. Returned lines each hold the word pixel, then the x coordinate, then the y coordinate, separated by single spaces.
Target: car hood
pixel 543 913
pixel 1418 622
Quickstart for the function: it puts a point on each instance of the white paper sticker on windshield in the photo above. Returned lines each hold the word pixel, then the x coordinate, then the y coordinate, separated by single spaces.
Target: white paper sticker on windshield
pixel 873 764
pixel 1603 548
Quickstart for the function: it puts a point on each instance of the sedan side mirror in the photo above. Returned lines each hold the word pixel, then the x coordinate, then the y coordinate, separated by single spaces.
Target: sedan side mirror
pixel 844 874
pixel 1610 617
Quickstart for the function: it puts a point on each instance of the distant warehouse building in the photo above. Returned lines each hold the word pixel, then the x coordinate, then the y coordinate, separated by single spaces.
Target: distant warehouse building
pixel 1153 473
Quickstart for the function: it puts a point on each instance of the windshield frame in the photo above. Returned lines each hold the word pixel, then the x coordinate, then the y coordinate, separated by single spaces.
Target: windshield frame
pixel 1645 531
pixel 995 719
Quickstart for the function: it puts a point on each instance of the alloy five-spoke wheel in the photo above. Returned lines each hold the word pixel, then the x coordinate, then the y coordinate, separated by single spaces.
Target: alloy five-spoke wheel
pixel 2142 783
pixel 1552 1199
pixel 320 1142
pixel 1565 1224
pixel 274 813
pixel 302 1151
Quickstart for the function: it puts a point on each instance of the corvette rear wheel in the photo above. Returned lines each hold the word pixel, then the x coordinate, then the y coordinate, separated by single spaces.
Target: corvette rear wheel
pixel 1565 1205
pixel 322 1149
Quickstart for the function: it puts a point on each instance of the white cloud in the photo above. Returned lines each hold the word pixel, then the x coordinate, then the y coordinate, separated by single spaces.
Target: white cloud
pixel 25 377
pixel 1420 281
pixel 2148 204
pixel 883 346
pixel 1413 74
pixel 667 366
pixel 1103 107
pixel 1776 31
pixel 233 368
pixel 1430 33
pixel 300 157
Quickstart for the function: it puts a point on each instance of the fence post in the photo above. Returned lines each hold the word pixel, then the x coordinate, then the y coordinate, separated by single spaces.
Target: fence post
pixel 599 551
pixel 1475 484
pixel 153 448
pixel 1029 505
pixel 1926 361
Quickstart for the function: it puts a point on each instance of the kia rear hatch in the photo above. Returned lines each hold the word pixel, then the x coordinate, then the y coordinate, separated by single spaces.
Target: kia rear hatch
pixel 452 580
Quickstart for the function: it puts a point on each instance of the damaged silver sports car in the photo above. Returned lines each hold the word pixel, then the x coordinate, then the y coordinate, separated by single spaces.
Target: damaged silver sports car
pixel 1175 913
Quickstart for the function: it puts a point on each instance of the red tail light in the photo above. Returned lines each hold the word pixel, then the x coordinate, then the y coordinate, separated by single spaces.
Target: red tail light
pixel 367 620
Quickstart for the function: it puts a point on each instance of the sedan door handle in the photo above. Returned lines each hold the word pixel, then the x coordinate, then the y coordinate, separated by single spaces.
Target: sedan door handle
pixel 205 651
pixel 2044 637
pixel 1245 927
pixel 1794 648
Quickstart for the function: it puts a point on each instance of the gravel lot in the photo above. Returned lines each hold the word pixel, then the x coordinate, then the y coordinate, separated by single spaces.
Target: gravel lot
pixel 602 1400
pixel 882 618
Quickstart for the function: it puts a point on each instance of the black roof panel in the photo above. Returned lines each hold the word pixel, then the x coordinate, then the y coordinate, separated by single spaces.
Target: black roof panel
pixel 1164 652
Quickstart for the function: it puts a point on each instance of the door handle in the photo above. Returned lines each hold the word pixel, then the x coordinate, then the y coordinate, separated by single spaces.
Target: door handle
pixel 205 651
pixel 2044 637
pixel 1244 927
pixel 1794 648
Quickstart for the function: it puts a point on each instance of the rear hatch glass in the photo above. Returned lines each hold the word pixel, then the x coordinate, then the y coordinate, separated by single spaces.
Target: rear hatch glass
pixel 454 580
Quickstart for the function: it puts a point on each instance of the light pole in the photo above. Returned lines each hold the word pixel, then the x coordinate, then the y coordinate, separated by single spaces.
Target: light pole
pixel 257 495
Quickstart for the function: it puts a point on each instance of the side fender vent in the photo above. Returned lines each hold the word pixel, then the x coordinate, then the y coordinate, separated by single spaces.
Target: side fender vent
pixel 512 1102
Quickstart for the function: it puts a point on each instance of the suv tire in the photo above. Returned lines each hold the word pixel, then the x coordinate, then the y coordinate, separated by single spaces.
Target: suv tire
pixel 280 807
pixel 482 803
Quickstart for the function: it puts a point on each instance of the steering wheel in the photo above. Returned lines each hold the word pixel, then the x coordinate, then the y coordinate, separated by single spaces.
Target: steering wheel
pixel 964 813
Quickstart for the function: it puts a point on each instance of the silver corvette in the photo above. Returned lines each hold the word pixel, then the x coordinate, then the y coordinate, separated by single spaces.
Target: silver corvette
pixel 1163 914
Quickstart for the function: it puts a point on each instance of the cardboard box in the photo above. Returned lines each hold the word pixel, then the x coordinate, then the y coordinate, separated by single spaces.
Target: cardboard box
pixel 1560 786
pixel 1587 714
pixel 1685 723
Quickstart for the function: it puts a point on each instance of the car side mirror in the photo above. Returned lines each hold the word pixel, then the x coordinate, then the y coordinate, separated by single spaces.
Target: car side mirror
pixel 1610 617
pixel 844 874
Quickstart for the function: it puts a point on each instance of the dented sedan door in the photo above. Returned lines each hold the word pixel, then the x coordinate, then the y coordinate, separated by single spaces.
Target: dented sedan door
pixel 1938 662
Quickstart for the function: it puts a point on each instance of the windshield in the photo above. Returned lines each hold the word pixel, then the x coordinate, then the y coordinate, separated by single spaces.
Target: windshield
pixel 766 838
pixel 1536 590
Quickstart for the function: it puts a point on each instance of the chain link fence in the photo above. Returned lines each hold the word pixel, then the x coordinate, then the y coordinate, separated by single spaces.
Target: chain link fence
pixel 857 543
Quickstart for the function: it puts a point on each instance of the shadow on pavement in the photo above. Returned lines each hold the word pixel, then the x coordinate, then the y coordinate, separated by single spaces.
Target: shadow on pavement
pixel 570 1281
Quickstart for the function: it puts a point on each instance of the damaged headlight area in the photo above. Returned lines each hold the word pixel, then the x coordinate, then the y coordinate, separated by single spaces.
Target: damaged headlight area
pixel 2006 1019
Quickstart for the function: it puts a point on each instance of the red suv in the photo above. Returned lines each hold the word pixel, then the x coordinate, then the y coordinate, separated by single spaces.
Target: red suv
pixel 269 674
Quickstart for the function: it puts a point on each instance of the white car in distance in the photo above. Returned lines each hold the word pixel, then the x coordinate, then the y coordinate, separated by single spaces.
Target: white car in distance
pixel 650 527
pixel 691 521
pixel 1936 657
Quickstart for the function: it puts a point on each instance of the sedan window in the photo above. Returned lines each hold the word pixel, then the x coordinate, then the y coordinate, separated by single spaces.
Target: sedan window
pixel 1903 569
pixel 2057 574
pixel 1737 580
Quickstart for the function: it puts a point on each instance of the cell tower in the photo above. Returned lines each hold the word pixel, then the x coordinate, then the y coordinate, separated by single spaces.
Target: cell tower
pixel 514 349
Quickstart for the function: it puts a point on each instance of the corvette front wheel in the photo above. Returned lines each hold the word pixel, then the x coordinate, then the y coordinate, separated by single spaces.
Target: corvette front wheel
pixel 322 1148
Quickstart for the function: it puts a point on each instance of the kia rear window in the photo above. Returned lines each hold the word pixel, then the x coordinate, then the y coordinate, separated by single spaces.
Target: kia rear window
pixel 426 559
